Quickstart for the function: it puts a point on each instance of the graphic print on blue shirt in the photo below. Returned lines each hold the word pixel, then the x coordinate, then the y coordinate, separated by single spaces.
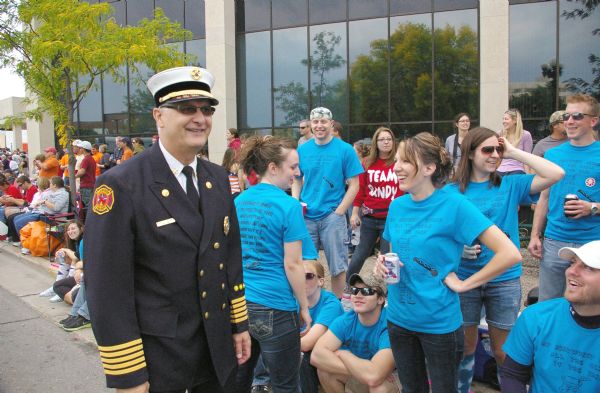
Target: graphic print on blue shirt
pixel 500 205
pixel 268 218
pixel 428 236
pixel 564 355
pixel 582 173
pixel 327 309
pixel 363 341
pixel 325 169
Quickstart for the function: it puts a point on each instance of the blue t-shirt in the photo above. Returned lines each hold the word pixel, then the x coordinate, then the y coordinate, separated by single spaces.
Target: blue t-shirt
pixel 564 355
pixel 500 205
pixel 325 169
pixel 309 252
pixel 363 341
pixel 268 218
pixel 327 309
pixel 433 231
pixel 582 173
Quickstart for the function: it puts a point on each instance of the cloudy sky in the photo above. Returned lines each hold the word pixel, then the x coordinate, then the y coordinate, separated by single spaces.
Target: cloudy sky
pixel 11 85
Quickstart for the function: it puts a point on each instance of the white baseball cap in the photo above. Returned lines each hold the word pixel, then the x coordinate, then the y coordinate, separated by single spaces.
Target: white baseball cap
pixel 589 253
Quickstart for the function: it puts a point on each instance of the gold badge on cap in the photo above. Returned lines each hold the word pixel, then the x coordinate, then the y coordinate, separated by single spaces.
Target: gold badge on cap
pixel 226 225
pixel 208 185
pixel 196 74
pixel 165 192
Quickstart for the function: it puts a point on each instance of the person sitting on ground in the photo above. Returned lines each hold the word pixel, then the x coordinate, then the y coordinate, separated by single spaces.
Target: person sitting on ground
pixel 355 352
pixel 27 189
pixel 66 257
pixel 67 289
pixel 554 344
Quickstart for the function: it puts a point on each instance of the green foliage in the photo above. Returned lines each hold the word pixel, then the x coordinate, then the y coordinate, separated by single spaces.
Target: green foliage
pixel 61 48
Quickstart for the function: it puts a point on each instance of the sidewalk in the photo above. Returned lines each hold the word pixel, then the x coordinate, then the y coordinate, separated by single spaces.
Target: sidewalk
pixel 25 276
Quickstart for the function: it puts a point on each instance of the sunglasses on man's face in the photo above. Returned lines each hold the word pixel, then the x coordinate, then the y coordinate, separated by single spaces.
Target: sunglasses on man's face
pixel 187 109
pixel 574 115
pixel 490 149
pixel 367 291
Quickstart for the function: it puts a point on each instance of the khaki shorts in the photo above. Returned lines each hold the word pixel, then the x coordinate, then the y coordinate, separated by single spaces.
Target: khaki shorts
pixel 392 385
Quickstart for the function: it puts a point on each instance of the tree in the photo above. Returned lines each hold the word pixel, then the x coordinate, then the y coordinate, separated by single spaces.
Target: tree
pixel 61 48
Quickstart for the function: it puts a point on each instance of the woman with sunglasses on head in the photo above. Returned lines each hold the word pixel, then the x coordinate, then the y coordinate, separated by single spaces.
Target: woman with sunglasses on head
pixel 462 123
pixel 378 187
pixel 427 229
pixel 513 132
pixel 272 229
pixel 498 198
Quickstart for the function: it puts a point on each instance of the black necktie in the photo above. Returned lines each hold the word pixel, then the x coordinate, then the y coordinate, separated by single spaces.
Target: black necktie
pixel 190 189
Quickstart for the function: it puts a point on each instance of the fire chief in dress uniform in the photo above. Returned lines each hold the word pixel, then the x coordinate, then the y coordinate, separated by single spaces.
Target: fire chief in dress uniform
pixel 163 255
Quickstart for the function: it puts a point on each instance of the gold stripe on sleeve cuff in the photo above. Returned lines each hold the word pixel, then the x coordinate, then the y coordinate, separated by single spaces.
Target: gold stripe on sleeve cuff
pixel 126 370
pixel 238 300
pixel 117 347
pixel 121 359
pixel 121 366
pixel 117 354
pixel 240 318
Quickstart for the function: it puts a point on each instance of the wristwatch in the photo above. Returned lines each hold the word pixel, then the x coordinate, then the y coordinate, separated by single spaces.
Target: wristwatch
pixel 594 209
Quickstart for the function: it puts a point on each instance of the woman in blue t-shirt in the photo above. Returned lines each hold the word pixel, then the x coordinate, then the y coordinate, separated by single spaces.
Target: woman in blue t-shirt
pixel 427 229
pixel 499 199
pixel 272 229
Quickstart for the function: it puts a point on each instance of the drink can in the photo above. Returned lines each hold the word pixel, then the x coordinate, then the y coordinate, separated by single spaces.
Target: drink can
pixel 569 197
pixel 392 264
pixel 304 208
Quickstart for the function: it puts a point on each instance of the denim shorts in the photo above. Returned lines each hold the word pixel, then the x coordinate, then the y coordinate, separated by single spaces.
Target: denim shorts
pixel 502 301
pixel 331 232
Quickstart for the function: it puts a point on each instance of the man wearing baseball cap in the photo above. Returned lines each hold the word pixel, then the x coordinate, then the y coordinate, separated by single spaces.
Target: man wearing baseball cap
pixel 355 352
pixel 554 346
pixel 86 173
pixel 557 136
pixel 49 168
pixel 163 255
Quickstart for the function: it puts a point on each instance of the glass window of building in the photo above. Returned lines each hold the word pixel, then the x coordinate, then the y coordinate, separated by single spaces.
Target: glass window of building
pixel 119 11
pixel 254 80
pixel 289 13
pixel 368 71
pixel 198 49
pixel 253 15
pixel 173 9
pixel 409 7
pixel 138 10
pixel 452 5
pixel 115 93
pixel 90 109
pixel 141 101
pixel 290 76
pixel 328 70
pixel 360 9
pixel 326 11
pixel 194 17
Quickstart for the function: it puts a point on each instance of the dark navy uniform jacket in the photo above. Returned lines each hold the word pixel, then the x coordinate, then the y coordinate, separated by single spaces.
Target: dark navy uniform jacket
pixel 164 282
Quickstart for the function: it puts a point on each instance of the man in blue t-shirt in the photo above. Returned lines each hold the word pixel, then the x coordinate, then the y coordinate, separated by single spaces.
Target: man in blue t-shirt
pixel 574 222
pixel 554 344
pixel 355 352
pixel 327 164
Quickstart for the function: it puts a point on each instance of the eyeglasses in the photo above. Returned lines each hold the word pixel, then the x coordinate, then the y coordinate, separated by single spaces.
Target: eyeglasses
pixel 303 127
pixel 574 115
pixel 191 109
pixel 367 291
pixel 384 140
pixel 464 121
pixel 310 276
pixel 490 149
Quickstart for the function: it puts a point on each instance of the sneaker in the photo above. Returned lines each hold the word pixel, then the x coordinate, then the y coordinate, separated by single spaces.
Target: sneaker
pixel 77 323
pixel 68 319
pixel 261 389
pixel 25 251
pixel 16 244
pixel 47 293
pixel 55 299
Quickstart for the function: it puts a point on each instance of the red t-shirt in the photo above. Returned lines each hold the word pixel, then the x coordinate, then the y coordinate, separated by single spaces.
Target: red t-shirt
pixel 30 193
pixel 378 188
pixel 13 192
pixel 89 178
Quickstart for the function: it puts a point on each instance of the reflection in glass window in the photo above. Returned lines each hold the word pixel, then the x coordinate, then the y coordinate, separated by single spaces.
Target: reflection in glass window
pixel 252 15
pixel 288 13
pixel 358 9
pixel 119 11
pixel 141 101
pixel 408 7
pixel 290 76
pixel 456 62
pixel 403 131
pixel 90 108
pixel 115 93
pixel 143 123
pixel 532 60
pixel 328 69
pixel 198 49
pixel 173 9
pixel 579 50
pixel 138 10
pixel 451 5
pixel 410 62
pixel 326 11
pixel 194 17
pixel 254 80
pixel 369 71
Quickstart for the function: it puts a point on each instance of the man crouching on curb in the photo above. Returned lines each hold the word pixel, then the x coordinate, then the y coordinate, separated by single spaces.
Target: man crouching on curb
pixel 355 351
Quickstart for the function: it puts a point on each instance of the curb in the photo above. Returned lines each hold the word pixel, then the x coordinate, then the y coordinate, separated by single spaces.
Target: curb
pixel 41 262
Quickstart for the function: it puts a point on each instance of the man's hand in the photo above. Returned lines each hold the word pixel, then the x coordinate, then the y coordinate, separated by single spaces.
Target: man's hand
pixel 241 344
pixel 535 247
pixel 143 388
pixel 578 209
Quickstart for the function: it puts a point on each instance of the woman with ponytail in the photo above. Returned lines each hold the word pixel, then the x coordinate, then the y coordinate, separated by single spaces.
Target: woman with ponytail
pixel 427 228
pixel 514 133
pixel 462 123
pixel 272 229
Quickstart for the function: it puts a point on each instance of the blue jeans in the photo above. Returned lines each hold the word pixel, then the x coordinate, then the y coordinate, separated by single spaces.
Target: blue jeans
pixel 502 301
pixel 442 352
pixel 370 229
pixel 275 335
pixel 309 379
pixel 331 232
pixel 23 219
pixel 552 269
pixel 80 306
pixel 261 374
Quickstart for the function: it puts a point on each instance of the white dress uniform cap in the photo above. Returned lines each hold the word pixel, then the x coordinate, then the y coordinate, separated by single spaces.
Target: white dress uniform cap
pixel 181 84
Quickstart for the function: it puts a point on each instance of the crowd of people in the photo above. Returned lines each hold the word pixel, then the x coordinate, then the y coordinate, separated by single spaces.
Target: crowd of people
pixel 169 236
